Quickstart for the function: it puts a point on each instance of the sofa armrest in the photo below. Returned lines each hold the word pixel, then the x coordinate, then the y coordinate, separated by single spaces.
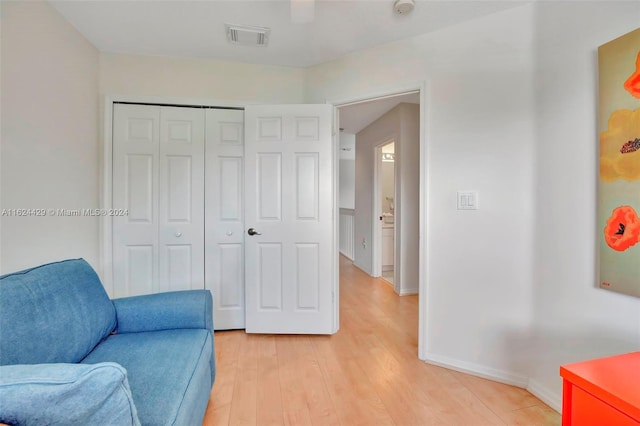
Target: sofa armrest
pixel 165 311
pixel 66 394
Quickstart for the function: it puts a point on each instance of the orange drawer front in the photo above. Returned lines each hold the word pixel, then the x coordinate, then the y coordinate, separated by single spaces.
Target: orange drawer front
pixel 587 410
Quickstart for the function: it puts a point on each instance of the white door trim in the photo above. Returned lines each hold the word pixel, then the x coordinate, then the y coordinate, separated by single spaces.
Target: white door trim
pixel 423 285
pixel 106 164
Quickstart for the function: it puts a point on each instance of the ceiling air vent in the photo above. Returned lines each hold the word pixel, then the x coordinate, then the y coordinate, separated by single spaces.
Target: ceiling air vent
pixel 244 34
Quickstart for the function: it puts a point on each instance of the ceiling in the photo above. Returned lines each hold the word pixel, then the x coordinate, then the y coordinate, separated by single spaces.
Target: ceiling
pixel 354 118
pixel 196 28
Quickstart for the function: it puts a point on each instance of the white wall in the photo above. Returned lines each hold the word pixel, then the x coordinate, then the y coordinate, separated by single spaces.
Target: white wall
pixel 480 115
pixel 347 184
pixel 573 319
pixel 49 136
pixel 199 79
pixel 384 129
pixel 407 200
pixel 400 124
pixel 511 113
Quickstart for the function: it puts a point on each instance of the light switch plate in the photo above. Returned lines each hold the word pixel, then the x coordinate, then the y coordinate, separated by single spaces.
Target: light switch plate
pixel 467 200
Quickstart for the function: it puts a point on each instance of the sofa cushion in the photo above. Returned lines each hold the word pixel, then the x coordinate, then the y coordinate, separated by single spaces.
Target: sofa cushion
pixel 66 394
pixel 169 372
pixel 54 313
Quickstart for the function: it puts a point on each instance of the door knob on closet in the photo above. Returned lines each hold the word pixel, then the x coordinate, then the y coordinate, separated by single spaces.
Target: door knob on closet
pixel 178 234
pixel 252 231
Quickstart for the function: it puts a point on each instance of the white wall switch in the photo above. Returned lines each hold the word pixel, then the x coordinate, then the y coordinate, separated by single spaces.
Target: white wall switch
pixel 467 200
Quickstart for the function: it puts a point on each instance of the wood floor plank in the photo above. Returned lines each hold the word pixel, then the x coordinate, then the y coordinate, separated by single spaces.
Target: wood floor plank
pixel 269 393
pixel 354 399
pixel 227 345
pixel 366 374
pixel 244 402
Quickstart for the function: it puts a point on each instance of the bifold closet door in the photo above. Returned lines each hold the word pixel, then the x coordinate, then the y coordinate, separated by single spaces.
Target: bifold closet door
pixel 224 237
pixel 158 176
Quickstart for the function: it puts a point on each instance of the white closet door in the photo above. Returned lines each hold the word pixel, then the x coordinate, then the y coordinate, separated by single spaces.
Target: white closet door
pixel 224 235
pixel 136 141
pixel 289 205
pixel 158 175
pixel 181 199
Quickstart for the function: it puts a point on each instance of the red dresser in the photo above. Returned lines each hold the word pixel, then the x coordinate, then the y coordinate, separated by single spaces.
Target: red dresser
pixel 602 392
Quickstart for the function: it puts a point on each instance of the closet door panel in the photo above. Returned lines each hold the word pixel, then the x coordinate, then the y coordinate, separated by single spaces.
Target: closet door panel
pixel 225 215
pixel 181 198
pixel 135 188
pixel 158 176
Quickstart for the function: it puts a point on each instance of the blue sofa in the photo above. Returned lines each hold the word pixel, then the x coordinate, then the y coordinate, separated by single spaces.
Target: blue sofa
pixel 71 356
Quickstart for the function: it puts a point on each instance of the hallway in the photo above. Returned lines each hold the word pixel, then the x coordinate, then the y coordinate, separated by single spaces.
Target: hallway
pixel 368 373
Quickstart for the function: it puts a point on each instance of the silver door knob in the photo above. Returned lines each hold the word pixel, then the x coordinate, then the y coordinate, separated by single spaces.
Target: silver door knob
pixel 252 231
pixel 178 234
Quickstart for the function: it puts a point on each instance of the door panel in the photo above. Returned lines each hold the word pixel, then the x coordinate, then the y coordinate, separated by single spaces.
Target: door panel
pixel 179 195
pixel 136 141
pixel 307 186
pixel 181 198
pixel 231 272
pixel 307 279
pixel 270 276
pixel 140 265
pixel 270 186
pixel 139 187
pixel 288 185
pixel 158 174
pixel 224 206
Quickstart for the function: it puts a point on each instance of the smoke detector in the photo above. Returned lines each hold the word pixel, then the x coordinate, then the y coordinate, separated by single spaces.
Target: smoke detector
pixel 403 7
pixel 247 35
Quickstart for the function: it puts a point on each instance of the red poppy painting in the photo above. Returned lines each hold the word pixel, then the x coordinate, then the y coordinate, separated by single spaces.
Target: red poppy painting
pixel 619 168
pixel 622 230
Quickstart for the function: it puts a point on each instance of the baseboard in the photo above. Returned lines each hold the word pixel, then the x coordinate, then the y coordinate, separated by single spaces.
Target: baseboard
pixel 552 399
pixel 485 372
pixel 408 291
pixel 346 255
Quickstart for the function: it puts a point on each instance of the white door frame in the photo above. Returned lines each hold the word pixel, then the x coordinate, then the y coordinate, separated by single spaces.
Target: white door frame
pixel 422 87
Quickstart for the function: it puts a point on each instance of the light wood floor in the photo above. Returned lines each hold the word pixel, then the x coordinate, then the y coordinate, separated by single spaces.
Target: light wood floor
pixel 366 374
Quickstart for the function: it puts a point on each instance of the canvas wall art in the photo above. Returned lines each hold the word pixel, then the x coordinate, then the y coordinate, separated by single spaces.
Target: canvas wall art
pixel 619 182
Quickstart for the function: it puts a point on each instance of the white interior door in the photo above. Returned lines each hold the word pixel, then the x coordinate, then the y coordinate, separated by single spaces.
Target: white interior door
pixel 158 176
pixel 224 209
pixel 289 204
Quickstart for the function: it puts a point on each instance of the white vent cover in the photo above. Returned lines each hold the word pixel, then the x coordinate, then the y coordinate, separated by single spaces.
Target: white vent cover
pixel 244 34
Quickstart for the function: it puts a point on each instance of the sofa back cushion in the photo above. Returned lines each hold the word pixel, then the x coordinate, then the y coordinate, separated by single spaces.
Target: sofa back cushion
pixel 53 313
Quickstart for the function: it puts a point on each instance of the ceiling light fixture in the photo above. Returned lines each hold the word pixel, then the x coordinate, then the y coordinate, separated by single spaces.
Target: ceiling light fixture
pixel 248 35
pixel 403 7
